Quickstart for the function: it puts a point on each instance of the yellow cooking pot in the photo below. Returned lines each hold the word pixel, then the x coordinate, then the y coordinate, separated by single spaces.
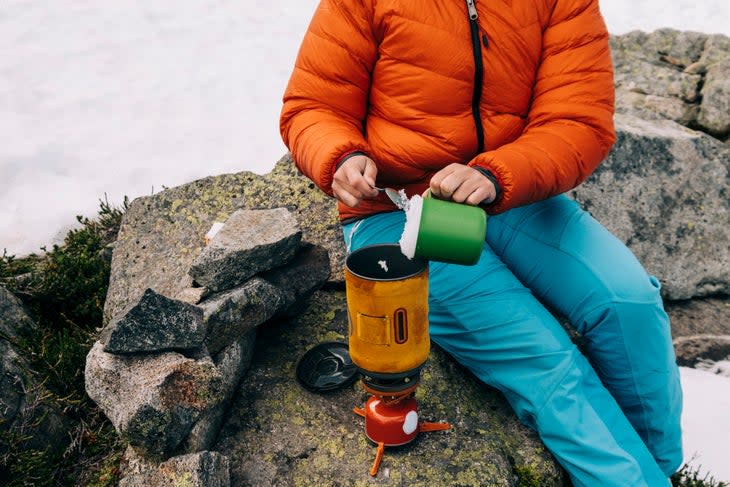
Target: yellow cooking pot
pixel 387 303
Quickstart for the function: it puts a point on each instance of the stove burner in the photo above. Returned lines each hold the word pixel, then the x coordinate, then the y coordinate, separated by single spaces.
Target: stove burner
pixel 383 384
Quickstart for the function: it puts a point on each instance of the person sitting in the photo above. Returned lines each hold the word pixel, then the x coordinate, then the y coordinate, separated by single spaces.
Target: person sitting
pixel 507 105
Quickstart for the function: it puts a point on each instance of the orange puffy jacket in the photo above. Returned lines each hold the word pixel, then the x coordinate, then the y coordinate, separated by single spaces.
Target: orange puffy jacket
pixel 522 88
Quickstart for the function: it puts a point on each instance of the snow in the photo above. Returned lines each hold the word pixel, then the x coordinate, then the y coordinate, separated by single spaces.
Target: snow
pixel 123 98
pixel 706 419
pixel 126 98
pixel 409 237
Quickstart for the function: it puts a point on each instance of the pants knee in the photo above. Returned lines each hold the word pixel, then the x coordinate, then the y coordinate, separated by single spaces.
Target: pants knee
pixel 627 320
pixel 537 390
pixel 630 300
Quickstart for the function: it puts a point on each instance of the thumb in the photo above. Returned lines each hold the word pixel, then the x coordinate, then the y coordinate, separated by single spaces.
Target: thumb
pixel 370 172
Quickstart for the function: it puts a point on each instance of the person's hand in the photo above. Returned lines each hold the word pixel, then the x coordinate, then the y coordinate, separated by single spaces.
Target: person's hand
pixel 354 180
pixel 462 184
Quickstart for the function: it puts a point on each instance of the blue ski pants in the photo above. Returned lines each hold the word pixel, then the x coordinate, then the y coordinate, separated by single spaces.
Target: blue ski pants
pixel 610 417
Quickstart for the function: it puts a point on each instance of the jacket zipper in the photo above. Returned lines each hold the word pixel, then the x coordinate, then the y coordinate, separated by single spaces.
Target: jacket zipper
pixel 478 72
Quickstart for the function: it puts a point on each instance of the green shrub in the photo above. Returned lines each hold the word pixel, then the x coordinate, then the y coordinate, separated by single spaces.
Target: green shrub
pixel 11 267
pixel 689 476
pixel 64 290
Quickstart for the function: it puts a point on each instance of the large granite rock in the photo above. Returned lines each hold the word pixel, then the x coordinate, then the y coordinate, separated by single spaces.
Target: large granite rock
pixel 162 235
pixel 665 191
pixel 681 76
pixel 152 400
pixel 279 434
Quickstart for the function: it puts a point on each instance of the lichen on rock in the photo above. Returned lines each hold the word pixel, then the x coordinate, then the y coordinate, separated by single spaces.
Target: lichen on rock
pixel 280 434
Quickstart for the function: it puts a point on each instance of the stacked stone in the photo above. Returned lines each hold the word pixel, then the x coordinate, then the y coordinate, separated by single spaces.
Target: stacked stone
pixel 164 370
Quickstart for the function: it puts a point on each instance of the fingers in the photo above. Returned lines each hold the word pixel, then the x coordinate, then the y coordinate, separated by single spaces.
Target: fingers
pixel 354 180
pixel 369 174
pixel 470 193
pixel 462 184
pixel 453 182
pixel 437 186
pixel 345 195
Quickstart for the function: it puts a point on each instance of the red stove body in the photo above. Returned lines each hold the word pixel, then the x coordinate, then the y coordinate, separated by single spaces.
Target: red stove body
pixel 391 423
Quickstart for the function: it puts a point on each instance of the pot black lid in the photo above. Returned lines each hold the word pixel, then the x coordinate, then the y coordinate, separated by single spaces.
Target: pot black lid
pixel 326 367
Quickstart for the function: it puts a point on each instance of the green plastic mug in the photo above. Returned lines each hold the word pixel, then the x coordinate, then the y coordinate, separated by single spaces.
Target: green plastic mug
pixel 450 232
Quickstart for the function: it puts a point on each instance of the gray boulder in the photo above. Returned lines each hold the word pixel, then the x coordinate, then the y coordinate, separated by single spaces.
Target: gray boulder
pixel 251 241
pixel 677 75
pixel 155 323
pixel 152 400
pixel 665 191
pixel 232 314
pixel 162 235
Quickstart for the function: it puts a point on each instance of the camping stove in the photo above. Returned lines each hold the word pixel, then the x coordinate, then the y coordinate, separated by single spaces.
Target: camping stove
pixel 391 419
pixel 387 301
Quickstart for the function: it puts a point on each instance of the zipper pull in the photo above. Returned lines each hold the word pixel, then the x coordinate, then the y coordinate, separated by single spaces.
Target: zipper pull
pixel 472 8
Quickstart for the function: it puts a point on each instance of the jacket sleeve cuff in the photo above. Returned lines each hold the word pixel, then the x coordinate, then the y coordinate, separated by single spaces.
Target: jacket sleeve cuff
pixel 346 156
pixel 490 175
